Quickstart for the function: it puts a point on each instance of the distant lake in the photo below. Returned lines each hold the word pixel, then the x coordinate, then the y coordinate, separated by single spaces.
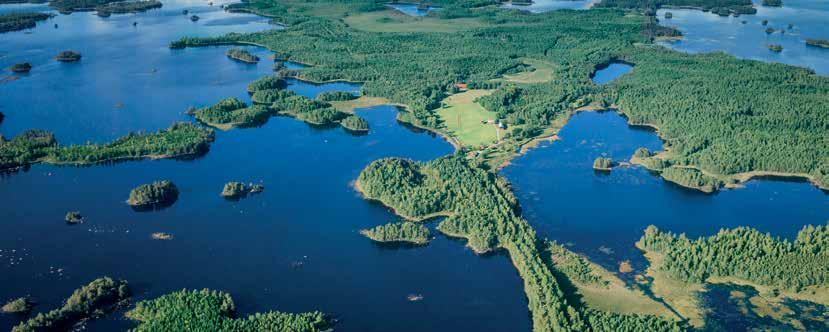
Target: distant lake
pixel 707 32
pixel 540 6
pixel 607 73
pixel 295 247
pixel 412 9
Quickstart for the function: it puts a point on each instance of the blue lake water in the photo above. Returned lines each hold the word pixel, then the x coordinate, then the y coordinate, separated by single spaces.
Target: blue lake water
pixel 540 6
pixel 294 247
pixel 706 32
pixel 610 72
pixel 566 200
pixel 412 9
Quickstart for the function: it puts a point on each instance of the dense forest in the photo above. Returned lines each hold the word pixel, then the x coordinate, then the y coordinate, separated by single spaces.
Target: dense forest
pixel 123 7
pixel 409 232
pixel 717 113
pixel 34 146
pixel 21 21
pixel 208 310
pixel 747 254
pixel 98 296
pixel 482 209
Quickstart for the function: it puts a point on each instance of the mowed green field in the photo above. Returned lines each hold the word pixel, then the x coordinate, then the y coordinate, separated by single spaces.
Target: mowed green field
pixel 464 118
pixel 393 21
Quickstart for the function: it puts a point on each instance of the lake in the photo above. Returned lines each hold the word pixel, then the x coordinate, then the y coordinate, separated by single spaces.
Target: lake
pixel 412 9
pixel 294 247
pixel 602 214
pixel 609 72
pixel 707 32
pixel 540 6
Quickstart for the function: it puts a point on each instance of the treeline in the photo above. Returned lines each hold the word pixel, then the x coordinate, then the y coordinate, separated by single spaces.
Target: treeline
pixel 406 231
pixel 21 21
pixel 34 146
pixel 483 210
pixel 208 310
pixel 729 116
pixel 691 178
pixel 747 254
pixel 574 266
pixel 721 7
pixel 124 7
pixel 98 296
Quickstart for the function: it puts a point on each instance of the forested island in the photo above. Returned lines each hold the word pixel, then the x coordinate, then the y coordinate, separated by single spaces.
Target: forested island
pixel 23 67
pixel 38 146
pixel 124 7
pixel 232 112
pixel 241 55
pixel 208 310
pixel 99 296
pixel 236 190
pixel 20 305
pixel 817 43
pixel 720 7
pixel 68 56
pixel 153 195
pixel 402 232
pixel 21 21
pixel 73 217
pixel 603 164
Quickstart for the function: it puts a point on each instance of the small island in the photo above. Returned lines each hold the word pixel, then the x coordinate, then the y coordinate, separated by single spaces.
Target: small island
pixel 21 21
pixel 194 18
pixel 68 56
pixel 158 194
pixel 400 232
pixel 20 68
pixel 73 218
pixel 231 113
pixel 822 43
pixel 236 190
pixel 18 306
pixel 161 236
pixel 776 48
pixel 769 30
pixel 669 15
pixel 603 164
pixel 773 3
pixel 354 123
pixel 241 55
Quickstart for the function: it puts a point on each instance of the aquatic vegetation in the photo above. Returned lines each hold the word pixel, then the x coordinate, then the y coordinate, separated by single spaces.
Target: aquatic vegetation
pixel 270 82
pixel 98 296
pixel 817 43
pixel 20 21
pixel 241 55
pixel 354 123
pixel 336 96
pixel 35 146
pixel 232 112
pixel 603 164
pixel 68 56
pixel 18 306
pixel 408 232
pixel 73 217
pixel 123 7
pixel 156 194
pixel 208 310
pixel 480 208
pixel 23 67
pixel 745 253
